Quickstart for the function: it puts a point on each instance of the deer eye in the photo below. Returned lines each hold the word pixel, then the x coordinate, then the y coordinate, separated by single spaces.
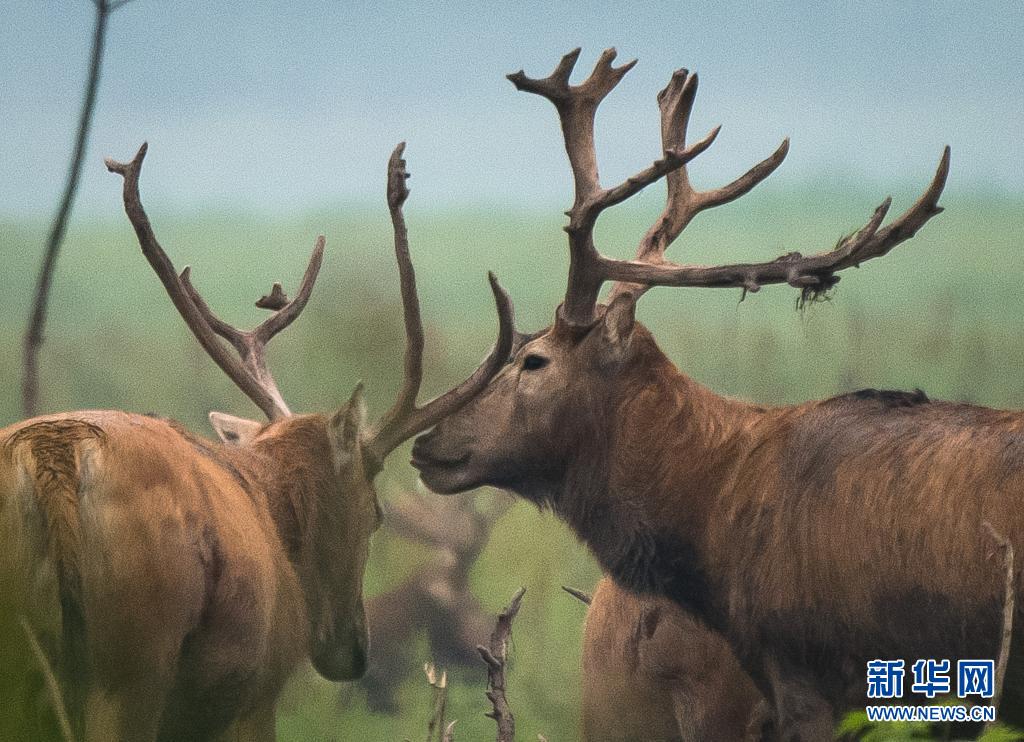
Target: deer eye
pixel 533 362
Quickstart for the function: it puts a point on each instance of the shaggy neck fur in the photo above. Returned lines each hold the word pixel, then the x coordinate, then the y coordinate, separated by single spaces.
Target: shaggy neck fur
pixel 655 456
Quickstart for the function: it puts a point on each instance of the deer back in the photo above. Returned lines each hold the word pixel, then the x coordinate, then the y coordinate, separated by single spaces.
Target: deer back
pixel 651 671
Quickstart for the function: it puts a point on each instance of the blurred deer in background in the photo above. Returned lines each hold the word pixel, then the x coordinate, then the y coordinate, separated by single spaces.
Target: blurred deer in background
pixel 178 582
pixel 814 537
pixel 653 671
pixel 436 598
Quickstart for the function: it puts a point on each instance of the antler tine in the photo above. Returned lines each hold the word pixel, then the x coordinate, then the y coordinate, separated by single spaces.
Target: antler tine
pixel 397 193
pixel 907 224
pixel 249 371
pixel 683 202
pixel 251 344
pixel 404 419
pixel 243 340
pixel 287 314
pixel 813 273
pixel 230 333
pixel 577 106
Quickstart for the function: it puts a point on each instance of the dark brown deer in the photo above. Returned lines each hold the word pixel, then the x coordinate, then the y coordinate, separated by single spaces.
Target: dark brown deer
pixel 814 537
pixel 653 671
pixel 436 598
pixel 178 581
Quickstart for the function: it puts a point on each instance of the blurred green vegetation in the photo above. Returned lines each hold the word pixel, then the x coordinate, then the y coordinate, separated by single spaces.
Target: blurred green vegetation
pixel 857 726
pixel 944 313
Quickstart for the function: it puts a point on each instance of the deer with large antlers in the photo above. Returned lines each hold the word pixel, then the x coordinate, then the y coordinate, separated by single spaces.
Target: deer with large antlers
pixel 178 581
pixel 813 537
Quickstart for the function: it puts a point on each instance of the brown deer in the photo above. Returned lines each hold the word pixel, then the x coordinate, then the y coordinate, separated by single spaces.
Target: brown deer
pixel 436 597
pixel 178 581
pixel 814 537
pixel 653 671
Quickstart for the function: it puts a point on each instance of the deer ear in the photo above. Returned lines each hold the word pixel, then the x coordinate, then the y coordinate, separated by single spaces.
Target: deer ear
pixel 346 426
pixel 617 323
pixel 235 431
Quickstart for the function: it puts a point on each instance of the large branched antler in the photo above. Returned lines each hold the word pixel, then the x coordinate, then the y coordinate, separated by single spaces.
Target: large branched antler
pixel 577 106
pixel 589 269
pixel 404 419
pixel 249 370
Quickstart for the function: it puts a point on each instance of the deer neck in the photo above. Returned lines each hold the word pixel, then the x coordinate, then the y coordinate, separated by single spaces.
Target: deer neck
pixel 641 501
pixel 295 471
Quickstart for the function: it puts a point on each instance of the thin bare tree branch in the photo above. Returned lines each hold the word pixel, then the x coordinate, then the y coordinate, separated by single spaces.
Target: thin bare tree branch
pixel 33 339
pixel 496 657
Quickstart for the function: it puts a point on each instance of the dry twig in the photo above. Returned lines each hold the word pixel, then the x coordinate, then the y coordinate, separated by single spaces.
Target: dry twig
pixel 496 657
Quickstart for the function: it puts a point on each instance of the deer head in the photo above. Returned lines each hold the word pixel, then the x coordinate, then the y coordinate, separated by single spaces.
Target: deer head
pixel 557 395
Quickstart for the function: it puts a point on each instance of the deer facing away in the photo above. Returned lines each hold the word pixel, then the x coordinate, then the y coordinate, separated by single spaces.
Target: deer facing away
pixel 177 581
pixel 813 537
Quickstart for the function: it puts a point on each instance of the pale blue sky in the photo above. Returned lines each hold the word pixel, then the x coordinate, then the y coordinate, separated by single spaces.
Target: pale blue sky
pixel 282 107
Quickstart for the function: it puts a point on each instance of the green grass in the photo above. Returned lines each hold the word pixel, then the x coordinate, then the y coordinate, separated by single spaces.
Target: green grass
pixel 944 313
